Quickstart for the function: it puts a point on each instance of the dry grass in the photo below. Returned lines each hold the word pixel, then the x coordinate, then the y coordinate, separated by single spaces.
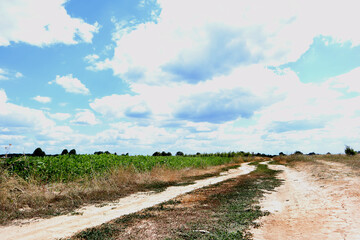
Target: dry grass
pixel 26 199
pixel 291 160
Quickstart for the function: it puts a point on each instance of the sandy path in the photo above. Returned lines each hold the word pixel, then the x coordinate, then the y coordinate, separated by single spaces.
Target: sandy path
pixel 91 216
pixel 318 201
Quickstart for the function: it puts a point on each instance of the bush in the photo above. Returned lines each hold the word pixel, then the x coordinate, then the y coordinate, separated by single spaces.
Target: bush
pixel 298 153
pixel 349 151
pixel 179 153
pixel 72 152
pixel 38 153
pixel 64 152
pixel 156 154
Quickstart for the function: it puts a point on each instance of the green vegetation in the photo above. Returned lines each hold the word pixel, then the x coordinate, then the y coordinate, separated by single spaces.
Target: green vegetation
pixel 349 151
pixel 69 167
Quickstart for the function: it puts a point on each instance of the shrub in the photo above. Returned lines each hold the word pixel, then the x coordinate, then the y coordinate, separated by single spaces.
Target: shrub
pixel 155 154
pixel 179 153
pixel 298 153
pixel 349 151
pixel 72 152
pixel 38 153
pixel 64 152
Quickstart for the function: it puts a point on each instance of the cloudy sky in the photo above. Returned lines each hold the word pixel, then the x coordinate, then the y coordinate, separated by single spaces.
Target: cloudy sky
pixel 140 76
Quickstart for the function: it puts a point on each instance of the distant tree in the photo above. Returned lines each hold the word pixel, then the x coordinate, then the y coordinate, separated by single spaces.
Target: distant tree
pixel 168 154
pixel 179 153
pixel 156 154
pixel 328 153
pixel 107 152
pixel 98 153
pixel 312 153
pixel 64 152
pixel 349 151
pixel 38 153
pixel 198 153
pixel 298 153
pixel 72 152
pixel 281 154
pixel 163 153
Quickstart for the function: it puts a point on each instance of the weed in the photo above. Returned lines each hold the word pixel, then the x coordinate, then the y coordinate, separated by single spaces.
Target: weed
pixel 106 231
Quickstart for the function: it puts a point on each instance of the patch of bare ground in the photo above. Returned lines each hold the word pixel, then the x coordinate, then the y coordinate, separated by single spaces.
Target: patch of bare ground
pixel 320 199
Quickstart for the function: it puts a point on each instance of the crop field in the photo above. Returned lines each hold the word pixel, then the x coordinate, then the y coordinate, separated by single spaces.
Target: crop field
pixel 51 185
pixel 65 168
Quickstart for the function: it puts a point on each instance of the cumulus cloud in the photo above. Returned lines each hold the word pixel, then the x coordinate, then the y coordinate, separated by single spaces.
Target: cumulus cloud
pixel 71 84
pixel 225 98
pixel 191 43
pixel 85 117
pixel 42 22
pixel 28 128
pixel 219 107
pixel 41 99
pixel 120 106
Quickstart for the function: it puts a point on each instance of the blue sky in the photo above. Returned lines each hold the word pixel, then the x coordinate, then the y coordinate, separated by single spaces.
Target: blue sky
pixel 195 76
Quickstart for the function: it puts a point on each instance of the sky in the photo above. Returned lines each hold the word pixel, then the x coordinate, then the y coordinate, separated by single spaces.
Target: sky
pixel 139 76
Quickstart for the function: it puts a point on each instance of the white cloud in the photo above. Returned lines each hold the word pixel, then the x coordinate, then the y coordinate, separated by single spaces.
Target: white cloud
pixel 41 99
pixel 8 74
pixel 22 120
pixel 349 81
pixel 41 22
pixel 28 128
pixel 85 117
pixel 71 84
pixel 91 58
pixel 3 74
pixel 19 75
pixel 291 115
pixel 60 116
pixel 192 43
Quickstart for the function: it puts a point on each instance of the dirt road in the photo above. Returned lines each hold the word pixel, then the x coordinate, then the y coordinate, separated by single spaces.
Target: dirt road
pixel 90 216
pixel 317 201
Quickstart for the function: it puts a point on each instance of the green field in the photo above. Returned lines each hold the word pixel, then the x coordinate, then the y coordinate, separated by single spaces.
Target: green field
pixel 65 168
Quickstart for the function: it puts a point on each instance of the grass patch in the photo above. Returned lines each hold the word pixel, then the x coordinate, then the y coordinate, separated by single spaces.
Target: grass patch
pixel 106 231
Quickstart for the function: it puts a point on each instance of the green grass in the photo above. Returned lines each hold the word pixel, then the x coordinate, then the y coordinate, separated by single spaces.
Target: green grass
pixel 65 168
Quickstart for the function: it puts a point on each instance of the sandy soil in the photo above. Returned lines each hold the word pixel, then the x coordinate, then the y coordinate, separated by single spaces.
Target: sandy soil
pixel 91 216
pixel 317 201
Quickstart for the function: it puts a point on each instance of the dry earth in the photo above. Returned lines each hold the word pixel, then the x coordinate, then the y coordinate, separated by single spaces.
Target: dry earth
pixel 91 216
pixel 318 200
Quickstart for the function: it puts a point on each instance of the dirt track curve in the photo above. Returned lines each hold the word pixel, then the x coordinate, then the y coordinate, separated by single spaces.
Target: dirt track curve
pixel 317 201
pixel 91 216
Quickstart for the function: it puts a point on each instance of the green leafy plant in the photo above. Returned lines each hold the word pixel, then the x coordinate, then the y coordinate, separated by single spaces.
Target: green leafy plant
pixel 349 151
